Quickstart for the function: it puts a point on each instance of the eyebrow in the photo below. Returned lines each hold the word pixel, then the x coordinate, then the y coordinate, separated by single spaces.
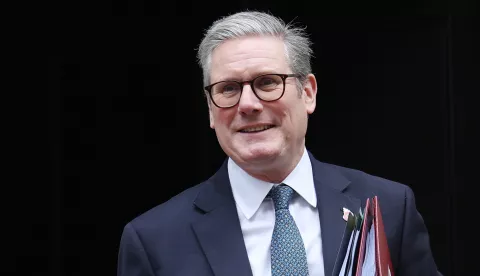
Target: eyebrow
pixel 259 73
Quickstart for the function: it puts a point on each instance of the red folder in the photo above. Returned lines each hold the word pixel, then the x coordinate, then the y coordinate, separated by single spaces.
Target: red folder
pixel 382 253
pixel 373 218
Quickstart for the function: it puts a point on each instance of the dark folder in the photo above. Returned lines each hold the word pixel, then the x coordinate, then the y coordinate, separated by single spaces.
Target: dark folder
pixel 367 222
pixel 346 240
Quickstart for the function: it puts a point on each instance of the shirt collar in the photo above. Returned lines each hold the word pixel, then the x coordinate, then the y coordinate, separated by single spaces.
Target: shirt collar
pixel 249 192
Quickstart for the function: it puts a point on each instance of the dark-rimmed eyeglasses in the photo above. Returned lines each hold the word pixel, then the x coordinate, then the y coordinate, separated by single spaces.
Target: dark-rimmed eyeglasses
pixel 268 87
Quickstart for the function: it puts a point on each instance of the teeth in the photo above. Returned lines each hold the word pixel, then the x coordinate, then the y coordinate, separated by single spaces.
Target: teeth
pixel 253 129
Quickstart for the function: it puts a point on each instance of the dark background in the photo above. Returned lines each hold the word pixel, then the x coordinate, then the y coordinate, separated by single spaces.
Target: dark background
pixel 128 123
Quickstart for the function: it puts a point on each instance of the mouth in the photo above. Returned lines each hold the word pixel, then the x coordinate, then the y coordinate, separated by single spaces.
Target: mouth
pixel 255 129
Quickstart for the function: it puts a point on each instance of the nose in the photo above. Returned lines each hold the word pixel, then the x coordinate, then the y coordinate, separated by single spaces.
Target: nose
pixel 249 103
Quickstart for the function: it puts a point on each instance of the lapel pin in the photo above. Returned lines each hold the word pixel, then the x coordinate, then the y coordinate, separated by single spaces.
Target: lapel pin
pixel 346 212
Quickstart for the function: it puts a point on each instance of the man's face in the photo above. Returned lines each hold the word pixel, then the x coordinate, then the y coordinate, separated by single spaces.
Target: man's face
pixel 243 59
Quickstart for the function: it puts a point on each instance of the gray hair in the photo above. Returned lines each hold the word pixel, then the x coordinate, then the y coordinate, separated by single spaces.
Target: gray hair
pixel 297 44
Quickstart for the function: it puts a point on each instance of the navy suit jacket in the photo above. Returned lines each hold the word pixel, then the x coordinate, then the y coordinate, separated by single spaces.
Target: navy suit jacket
pixel 197 232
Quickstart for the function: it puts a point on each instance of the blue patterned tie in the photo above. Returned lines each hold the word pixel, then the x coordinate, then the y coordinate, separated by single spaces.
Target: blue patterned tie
pixel 287 249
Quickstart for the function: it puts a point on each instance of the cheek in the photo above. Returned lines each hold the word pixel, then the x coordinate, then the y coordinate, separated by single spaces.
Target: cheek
pixel 222 119
pixel 294 118
pixel 286 115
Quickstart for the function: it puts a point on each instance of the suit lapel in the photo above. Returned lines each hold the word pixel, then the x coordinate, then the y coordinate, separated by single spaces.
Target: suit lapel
pixel 218 231
pixel 330 187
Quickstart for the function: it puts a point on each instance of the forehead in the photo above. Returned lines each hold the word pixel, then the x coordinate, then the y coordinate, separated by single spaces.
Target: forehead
pixel 245 57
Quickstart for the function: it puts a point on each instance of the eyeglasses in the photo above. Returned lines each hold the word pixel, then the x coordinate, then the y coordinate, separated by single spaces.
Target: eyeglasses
pixel 269 87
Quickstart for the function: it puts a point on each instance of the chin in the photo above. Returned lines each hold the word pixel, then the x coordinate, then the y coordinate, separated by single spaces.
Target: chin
pixel 259 153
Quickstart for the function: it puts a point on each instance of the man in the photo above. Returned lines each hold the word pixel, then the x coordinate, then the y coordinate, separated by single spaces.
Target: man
pixel 272 208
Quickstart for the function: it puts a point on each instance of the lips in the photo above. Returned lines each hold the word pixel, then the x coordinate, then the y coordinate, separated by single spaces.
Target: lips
pixel 257 128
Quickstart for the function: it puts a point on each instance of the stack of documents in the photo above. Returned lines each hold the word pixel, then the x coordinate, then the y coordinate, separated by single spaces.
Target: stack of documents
pixel 364 248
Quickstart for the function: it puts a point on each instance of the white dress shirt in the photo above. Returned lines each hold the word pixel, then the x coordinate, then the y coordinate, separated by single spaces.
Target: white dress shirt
pixel 257 215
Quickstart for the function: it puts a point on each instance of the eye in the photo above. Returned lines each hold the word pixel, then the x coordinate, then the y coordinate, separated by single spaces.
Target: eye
pixel 229 88
pixel 269 82
pixel 226 89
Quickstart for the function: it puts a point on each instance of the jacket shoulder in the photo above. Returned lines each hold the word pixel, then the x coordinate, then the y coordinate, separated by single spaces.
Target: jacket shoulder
pixel 369 183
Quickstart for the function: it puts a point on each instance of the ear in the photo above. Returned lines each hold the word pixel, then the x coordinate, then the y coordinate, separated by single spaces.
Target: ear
pixel 210 115
pixel 310 93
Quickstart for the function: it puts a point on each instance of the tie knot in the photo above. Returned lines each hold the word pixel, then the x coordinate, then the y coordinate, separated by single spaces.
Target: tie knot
pixel 281 196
